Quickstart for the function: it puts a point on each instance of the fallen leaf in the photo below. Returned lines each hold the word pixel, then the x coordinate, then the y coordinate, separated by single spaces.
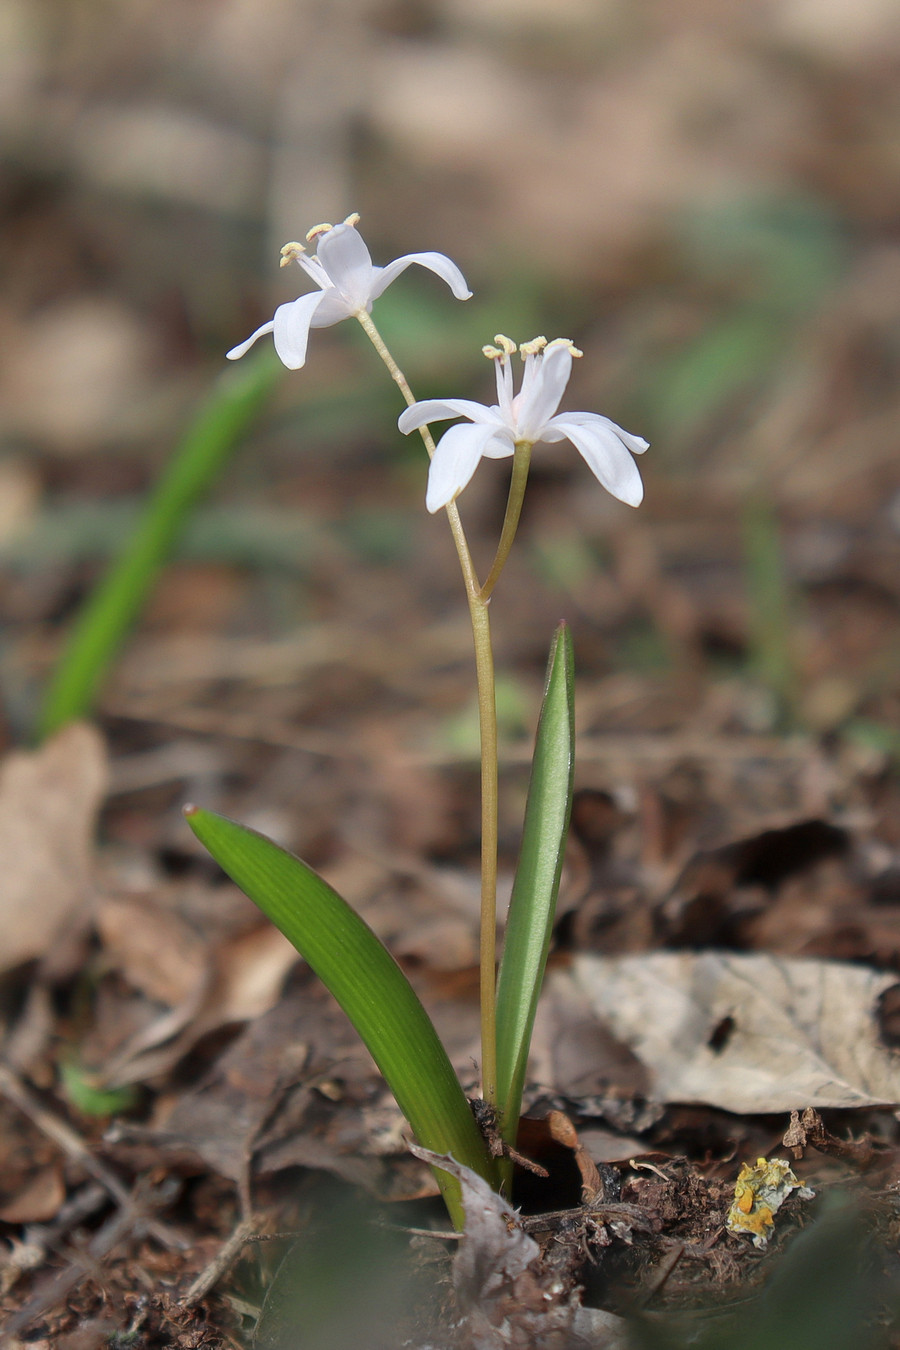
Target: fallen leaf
pixel 155 949
pixel 237 981
pixel 49 800
pixel 745 1033
pixel 39 1200
pixel 507 1293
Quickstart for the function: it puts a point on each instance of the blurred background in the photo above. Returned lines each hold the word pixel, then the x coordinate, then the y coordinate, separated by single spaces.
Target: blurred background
pixel 705 198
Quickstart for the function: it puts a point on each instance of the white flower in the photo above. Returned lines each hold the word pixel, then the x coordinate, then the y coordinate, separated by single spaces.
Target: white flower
pixel 526 417
pixel 348 284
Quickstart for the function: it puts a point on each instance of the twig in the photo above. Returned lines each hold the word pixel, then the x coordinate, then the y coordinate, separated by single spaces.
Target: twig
pixel 131 1219
pixel 664 1270
pixel 221 1262
pixel 40 1238
pixel 12 1087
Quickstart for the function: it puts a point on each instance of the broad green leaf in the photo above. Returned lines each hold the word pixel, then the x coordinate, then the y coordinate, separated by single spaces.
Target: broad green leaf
pixel 536 886
pixel 368 984
pixel 115 605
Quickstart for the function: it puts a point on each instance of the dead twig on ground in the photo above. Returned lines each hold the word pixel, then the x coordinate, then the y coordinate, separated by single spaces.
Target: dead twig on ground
pixel 130 1221
pixel 12 1087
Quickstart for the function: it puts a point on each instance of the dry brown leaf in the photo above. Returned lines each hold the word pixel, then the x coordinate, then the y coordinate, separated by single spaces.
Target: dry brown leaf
pixel 237 982
pixel 746 1033
pixel 39 1200
pixel 155 949
pixel 49 800
pixel 250 971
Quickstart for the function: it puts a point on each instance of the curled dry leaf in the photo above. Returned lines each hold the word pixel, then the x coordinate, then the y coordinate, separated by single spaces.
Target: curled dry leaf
pixel 746 1033
pixel 509 1295
pixel 205 985
pixel 155 949
pixel 49 800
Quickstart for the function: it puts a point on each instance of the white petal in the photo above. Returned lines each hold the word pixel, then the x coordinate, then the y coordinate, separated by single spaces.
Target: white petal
pixel 501 445
pixel 544 393
pixel 438 409
pixel 455 460
pixel 439 263
pixel 606 454
pixel 348 263
pixel 334 306
pixel 291 328
pixel 636 444
pixel 242 347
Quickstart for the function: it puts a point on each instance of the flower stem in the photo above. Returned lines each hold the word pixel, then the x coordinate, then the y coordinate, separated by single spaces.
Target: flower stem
pixel 487 715
pixel 521 464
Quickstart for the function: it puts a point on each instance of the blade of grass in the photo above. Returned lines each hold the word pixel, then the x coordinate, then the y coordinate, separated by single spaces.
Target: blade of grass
pixel 536 886
pixel 112 609
pixel 368 984
pixel 769 595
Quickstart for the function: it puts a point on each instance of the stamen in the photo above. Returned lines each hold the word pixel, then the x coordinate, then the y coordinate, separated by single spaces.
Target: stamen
pixel 290 253
pixel 532 348
pixel 316 231
pixel 352 219
pixel 505 344
pixel 566 342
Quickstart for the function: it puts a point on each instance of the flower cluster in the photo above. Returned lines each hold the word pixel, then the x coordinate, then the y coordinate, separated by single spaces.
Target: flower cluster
pixel 348 284
pixel 525 418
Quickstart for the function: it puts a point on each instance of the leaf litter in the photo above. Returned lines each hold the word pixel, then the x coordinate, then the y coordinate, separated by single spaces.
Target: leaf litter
pixel 735 887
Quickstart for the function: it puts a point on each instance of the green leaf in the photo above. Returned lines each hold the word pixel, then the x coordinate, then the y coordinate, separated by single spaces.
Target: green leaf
pixel 536 886
pixel 368 984
pixel 90 1099
pixel 115 605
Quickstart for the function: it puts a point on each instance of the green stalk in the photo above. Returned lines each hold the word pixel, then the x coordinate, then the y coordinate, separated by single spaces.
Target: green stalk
pixel 114 606
pixel 487 714
pixel 517 482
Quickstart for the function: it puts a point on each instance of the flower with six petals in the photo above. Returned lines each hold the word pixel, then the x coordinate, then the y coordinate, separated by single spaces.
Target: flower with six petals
pixel 525 418
pixel 348 283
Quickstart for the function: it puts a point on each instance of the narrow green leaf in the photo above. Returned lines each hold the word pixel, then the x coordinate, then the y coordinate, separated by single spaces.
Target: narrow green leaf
pixel 115 604
pixel 368 984
pixel 536 886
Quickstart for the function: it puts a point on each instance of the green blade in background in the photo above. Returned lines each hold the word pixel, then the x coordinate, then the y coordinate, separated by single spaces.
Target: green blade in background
pixel 536 886
pixel 115 604
pixel 368 984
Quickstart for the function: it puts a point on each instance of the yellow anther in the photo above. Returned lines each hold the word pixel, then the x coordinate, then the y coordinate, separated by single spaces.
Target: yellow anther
pixel 533 347
pixel 566 342
pixel 290 253
pixel 506 345
pixel 317 230
pixel 352 219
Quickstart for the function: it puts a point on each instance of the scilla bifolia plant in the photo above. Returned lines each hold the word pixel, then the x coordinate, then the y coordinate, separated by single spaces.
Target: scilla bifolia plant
pixel 336 943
